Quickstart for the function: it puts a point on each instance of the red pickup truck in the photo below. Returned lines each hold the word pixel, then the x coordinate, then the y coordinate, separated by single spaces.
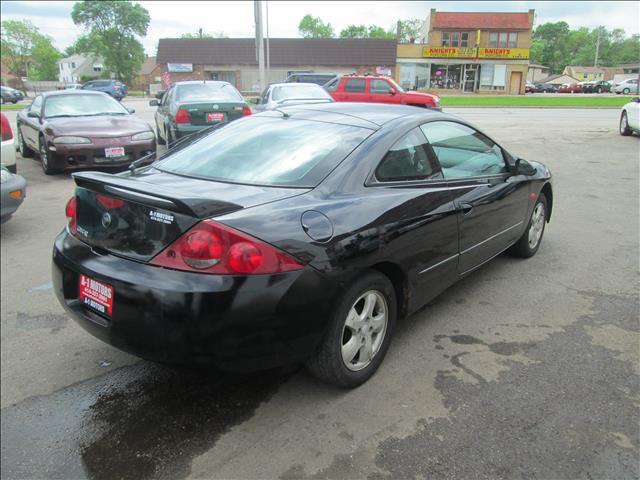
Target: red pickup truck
pixel 379 89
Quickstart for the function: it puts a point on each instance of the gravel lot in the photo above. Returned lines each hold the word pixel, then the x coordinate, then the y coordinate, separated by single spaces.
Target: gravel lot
pixel 525 369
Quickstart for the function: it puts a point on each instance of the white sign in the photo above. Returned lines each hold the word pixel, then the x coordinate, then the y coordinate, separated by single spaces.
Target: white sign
pixel 180 67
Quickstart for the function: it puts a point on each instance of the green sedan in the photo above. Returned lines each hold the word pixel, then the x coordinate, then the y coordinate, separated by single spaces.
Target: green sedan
pixel 188 107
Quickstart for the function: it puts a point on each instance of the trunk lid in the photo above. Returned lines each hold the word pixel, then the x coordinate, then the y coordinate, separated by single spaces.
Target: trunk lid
pixel 138 215
pixel 210 113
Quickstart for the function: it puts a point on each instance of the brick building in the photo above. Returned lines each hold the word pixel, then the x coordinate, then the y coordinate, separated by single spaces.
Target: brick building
pixel 234 59
pixel 468 52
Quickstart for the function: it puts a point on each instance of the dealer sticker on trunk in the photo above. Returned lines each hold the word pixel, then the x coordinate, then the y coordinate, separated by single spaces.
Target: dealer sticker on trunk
pixel 96 295
pixel 161 217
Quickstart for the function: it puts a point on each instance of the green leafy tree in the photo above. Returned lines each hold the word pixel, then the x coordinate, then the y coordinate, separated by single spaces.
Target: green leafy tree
pixel 361 31
pixel 44 59
pixel 552 48
pixel 201 34
pixel 87 44
pixel 310 27
pixel 379 32
pixel 17 40
pixel 115 25
pixel 409 29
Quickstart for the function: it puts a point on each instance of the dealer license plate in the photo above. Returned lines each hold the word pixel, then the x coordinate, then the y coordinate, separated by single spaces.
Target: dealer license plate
pixel 112 152
pixel 96 295
pixel 215 117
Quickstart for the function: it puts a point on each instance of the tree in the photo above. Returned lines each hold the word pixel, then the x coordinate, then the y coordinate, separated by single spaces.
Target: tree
pixel 17 40
pixel 552 47
pixel 44 59
pixel 361 31
pixel 87 43
pixel 201 34
pixel 115 26
pixel 310 27
pixel 409 29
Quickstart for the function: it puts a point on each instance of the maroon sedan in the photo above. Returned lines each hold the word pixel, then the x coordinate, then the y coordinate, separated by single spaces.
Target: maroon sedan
pixel 72 129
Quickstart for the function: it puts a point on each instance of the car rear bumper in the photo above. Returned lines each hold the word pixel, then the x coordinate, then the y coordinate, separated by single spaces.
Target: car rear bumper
pixel 235 323
pixel 93 155
pixel 181 130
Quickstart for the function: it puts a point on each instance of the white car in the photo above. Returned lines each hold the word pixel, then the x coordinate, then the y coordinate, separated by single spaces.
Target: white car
pixel 8 152
pixel 630 117
pixel 284 94
pixel 630 85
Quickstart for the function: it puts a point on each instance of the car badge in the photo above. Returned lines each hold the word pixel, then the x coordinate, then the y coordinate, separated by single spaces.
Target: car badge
pixel 215 107
pixel 106 220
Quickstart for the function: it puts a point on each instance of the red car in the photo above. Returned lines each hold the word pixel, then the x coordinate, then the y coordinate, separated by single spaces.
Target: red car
pixel 378 89
pixel 570 88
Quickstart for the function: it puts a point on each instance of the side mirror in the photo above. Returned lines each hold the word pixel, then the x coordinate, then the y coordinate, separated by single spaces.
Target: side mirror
pixel 522 167
pixel 392 91
pixel 33 114
pixel 131 110
pixel 153 103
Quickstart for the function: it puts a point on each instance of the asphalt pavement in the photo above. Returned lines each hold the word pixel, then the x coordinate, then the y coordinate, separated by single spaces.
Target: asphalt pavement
pixel 525 369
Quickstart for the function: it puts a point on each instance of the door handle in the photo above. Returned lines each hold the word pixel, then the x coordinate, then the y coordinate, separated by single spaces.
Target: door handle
pixel 466 208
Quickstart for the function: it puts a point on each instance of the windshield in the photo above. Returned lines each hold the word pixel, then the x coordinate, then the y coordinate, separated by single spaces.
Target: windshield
pixel 208 92
pixel 299 91
pixel 267 151
pixel 395 85
pixel 82 106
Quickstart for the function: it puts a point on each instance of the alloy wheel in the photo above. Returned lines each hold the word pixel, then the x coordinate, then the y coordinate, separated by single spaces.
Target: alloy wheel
pixel 364 330
pixel 537 225
pixel 624 125
pixel 21 144
pixel 44 156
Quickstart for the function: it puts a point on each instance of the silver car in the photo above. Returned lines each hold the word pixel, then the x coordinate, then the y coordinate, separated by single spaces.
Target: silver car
pixel 285 94
pixel 630 85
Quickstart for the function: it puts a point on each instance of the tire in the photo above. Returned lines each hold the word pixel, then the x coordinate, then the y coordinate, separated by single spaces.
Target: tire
pixel 24 150
pixel 625 131
pixel 45 158
pixel 14 102
pixel 599 90
pixel 626 91
pixel 159 139
pixel 170 139
pixel 334 361
pixel 1 100
pixel 525 247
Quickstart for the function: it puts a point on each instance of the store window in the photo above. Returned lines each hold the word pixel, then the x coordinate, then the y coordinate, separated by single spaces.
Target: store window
pixel 455 39
pixel 492 76
pixel 446 76
pixel 503 39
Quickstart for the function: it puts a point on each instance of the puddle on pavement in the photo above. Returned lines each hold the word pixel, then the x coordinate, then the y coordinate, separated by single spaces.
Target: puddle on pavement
pixel 138 422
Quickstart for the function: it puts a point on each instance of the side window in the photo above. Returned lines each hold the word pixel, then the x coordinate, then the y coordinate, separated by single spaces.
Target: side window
pixel 168 97
pixel 333 84
pixel 265 96
pixel 408 159
pixel 354 85
pixel 379 86
pixel 463 151
pixel 36 106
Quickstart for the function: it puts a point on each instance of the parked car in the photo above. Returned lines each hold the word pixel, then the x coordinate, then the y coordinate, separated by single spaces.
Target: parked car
pixel 529 87
pixel 570 88
pixel 293 235
pixel 596 86
pixel 71 129
pixel 627 87
pixel 630 117
pixel 281 94
pixel 73 86
pixel 188 107
pixel 13 190
pixel 115 88
pixel 8 152
pixel 379 89
pixel 311 77
pixel 10 95
pixel 545 88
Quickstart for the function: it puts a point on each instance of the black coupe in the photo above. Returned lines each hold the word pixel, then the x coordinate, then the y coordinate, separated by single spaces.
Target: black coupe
pixel 300 234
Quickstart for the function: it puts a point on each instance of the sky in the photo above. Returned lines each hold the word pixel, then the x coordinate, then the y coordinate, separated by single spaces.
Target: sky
pixel 235 18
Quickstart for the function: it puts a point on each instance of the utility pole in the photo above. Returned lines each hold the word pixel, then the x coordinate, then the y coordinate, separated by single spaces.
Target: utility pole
pixel 257 4
pixel 595 63
pixel 266 6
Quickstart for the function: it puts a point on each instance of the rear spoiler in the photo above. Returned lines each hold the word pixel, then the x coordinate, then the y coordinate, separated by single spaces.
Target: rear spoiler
pixel 152 195
pixel 310 100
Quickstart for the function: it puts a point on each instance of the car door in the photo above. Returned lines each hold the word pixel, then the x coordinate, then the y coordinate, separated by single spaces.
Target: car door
pixel 491 202
pixel 422 229
pixel 31 126
pixel 354 90
pixel 162 113
pixel 380 91
pixel 633 115
pixel 264 101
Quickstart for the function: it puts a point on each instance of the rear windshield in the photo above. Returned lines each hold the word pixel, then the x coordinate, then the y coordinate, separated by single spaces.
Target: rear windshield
pixel 267 151
pixel 298 91
pixel 208 92
pixel 82 105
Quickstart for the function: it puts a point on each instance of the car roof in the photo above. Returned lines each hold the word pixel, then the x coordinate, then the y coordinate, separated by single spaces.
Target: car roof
pixel 294 85
pixel 54 93
pixel 364 75
pixel 201 82
pixel 367 115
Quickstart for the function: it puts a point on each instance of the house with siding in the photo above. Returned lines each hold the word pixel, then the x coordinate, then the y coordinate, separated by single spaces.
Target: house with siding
pixel 76 67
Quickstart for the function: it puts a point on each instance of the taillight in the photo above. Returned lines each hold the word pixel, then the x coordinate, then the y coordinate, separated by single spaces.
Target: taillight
pixel 246 111
pixel 210 247
pixel 70 212
pixel 5 129
pixel 182 116
pixel 109 202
